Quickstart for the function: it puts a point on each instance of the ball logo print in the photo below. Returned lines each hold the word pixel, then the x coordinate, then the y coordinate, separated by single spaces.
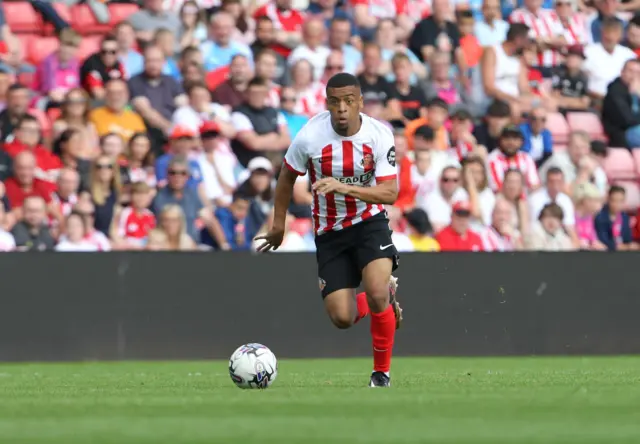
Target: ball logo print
pixel 391 156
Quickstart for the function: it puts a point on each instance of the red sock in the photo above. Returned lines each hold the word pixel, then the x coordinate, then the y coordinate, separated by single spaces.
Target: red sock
pixel 383 330
pixel 362 305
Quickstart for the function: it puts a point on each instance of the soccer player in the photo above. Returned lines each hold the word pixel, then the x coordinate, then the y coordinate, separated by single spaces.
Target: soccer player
pixel 351 161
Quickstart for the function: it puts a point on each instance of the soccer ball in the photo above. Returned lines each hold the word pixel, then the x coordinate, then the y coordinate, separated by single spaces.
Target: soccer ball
pixel 253 366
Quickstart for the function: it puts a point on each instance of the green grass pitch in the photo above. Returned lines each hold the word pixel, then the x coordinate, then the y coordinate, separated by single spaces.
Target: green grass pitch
pixel 433 400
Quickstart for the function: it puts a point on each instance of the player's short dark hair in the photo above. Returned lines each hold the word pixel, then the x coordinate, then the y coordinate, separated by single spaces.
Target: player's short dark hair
pixel 425 132
pixel 437 102
pixel 611 23
pixel 517 30
pixel 499 108
pixel 616 189
pixel 342 80
pixel 257 81
pixel 551 209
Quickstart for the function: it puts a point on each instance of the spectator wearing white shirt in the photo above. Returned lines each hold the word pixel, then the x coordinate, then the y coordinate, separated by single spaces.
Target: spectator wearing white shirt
pixel 605 60
pixel 492 30
pixel 7 242
pixel 552 193
pixel 217 164
pixel 201 109
pixel 439 204
pixel 481 197
pixel 312 49
pixel 73 240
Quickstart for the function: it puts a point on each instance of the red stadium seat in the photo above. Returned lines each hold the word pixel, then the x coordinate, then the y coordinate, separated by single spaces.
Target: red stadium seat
pixel 83 20
pixel 22 18
pixel 120 12
pixel 632 200
pixel 620 165
pixel 559 128
pixel 88 46
pixel 588 122
pixel 65 14
pixel 41 47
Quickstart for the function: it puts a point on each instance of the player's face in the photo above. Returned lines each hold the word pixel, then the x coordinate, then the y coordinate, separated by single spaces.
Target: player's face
pixel 345 105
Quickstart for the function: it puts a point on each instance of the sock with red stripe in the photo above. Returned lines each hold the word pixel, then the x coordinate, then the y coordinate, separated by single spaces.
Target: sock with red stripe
pixel 383 330
pixel 362 306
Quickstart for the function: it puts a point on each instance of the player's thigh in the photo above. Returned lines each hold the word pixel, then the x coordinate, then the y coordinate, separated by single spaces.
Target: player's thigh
pixel 338 278
pixel 377 257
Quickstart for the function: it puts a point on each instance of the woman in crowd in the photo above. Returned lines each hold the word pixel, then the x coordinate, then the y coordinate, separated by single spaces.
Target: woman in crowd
pixel 75 115
pixel 140 160
pixel 514 193
pixel 68 147
pixel 549 235
pixel 73 238
pixel 260 188
pixel 105 190
pixel 158 240
pixel 174 225
pixel 588 202
pixel 193 30
pixel 481 197
pixel 310 95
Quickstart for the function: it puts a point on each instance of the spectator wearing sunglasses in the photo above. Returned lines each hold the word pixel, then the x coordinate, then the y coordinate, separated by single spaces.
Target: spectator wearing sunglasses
pixel 537 140
pixel 439 202
pixel 181 143
pixel 218 164
pixel 101 67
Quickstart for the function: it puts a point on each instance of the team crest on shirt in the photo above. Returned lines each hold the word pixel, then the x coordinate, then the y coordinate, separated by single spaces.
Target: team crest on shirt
pixel 391 156
pixel 367 161
pixel 321 283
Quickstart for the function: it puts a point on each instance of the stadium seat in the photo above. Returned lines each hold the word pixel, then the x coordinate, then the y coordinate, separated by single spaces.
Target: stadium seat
pixel 88 46
pixel 65 14
pixel 22 18
pixel 620 165
pixel 83 20
pixel 589 122
pixel 636 157
pixel 559 147
pixel 632 201
pixel 559 128
pixel 41 47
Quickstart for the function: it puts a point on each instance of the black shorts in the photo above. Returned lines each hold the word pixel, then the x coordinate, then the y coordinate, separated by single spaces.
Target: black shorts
pixel 342 255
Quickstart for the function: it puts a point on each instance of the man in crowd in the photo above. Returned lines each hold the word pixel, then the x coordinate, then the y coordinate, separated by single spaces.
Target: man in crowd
pixel 339 36
pixel 621 107
pixel 457 236
pixel 129 57
pixel 182 141
pixel 265 39
pixel 220 49
pixel 440 201
pixel 31 232
pixel 537 139
pixel 312 48
pixel 488 132
pixel 115 116
pixel 101 67
pixel 152 17
pixel 17 106
pixel 508 157
pixel 231 92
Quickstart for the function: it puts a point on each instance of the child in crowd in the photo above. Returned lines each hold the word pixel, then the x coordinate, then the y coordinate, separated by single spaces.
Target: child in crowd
pixel 468 41
pixel 131 225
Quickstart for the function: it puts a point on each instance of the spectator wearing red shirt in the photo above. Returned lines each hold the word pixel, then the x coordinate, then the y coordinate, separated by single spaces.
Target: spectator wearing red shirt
pixel 287 22
pixel 131 225
pixel 101 67
pixel 24 184
pixel 28 136
pixel 458 236
pixel 367 14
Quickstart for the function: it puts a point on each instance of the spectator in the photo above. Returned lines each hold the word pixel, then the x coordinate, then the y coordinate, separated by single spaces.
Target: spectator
pixel 406 102
pixel 140 165
pixel 152 17
pixel 607 10
pixel 201 109
pixel 438 203
pixel 7 242
pixel 513 191
pixel 421 232
pixel 74 237
pixel 335 65
pixel 509 156
pixel 156 96
pixel 488 132
pixel 105 191
pixel 427 166
pixel 131 225
pixel 537 139
pixel 159 241
pixel 58 73
pixel 266 69
pixel 576 164
pixel 612 223
pixel 387 40
pixel 632 40
pixel 605 60
pixel 217 164
pixel 193 30
pixel 469 44
pixel 233 222
pixel 231 93
pixel 462 141
pixel 310 94
pixel 66 195
pixel 340 31
pixel 115 116
pixel 573 23
pixel 330 10
pixel 504 73
pixel 442 84
pixel 191 69
pixel 492 29
pixel 588 203
pixel 6 164
pixel 286 21
pixel 75 115
pixel 553 192
pixel 17 106
pixel 261 129
pixel 164 40
pixel 312 48
pixel 570 84
pixel 24 183
pixel 32 233
pixel 265 39
pixel 174 226
pixel 547 32
pixel 27 138
pixel 181 143
pixel 375 89
pixel 502 234
pixel 220 49
pixel 128 56
pixel 295 121
pixel 260 188
pixel 112 146
pixel 368 13
pixel 548 235
pixel 87 210
pixel 68 146
pixel 437 114
pixel 457 236
pixel 481 198
pixel 177 192
pixel 621 107
pixel 101 67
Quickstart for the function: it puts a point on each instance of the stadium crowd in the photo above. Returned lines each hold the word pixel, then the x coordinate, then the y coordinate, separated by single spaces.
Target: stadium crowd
pixel 162 124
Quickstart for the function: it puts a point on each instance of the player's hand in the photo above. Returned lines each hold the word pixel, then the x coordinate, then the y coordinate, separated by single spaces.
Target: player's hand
pixel 272 240
pixel 328 185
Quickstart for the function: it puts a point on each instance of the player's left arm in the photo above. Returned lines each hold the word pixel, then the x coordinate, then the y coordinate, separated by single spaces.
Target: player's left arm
pixel 385 192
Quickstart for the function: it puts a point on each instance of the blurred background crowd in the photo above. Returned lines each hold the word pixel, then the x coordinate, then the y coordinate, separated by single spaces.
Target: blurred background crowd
pixel 162 124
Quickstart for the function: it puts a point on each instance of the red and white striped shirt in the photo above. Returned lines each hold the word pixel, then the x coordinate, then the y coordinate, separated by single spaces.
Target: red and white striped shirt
pixel 364 159
pixel 576 32
pixel 273 97
pixel 135 226
pixel 311 101
pixel 64 206
pixel 544 24
pixel 498 164
pixel 289 21
pixel 494 241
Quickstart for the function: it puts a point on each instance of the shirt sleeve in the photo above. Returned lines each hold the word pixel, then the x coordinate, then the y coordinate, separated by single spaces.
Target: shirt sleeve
pixel 297 155
pixel 385 156
pixel 241 122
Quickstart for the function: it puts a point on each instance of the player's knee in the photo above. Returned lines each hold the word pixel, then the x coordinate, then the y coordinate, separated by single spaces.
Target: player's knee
pixel 378 298
pixel 341 320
